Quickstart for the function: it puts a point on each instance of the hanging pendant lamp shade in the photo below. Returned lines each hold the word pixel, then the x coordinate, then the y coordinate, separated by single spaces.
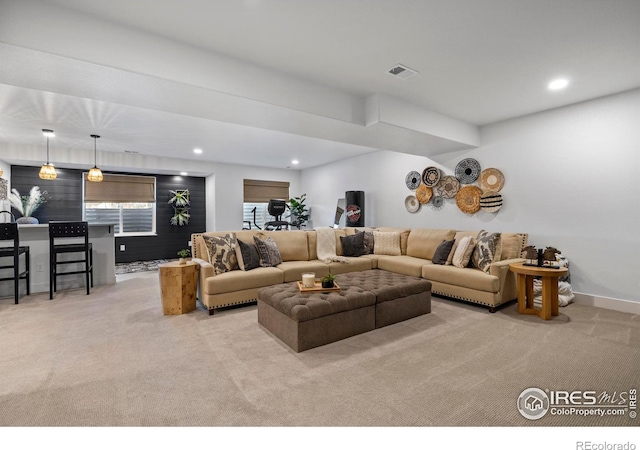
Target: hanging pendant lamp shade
pixel 47 171
pixel 95 174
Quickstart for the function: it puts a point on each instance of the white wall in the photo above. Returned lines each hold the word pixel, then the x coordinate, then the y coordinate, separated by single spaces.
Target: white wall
pixel 229 192
pixel 571 182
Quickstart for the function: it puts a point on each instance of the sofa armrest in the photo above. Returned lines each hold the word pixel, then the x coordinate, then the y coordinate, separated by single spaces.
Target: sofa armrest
pixel 206 271
pixel 500 269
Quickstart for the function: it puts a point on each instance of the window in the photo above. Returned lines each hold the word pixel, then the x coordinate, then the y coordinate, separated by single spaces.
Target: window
pixel 257 194
pixel 124 200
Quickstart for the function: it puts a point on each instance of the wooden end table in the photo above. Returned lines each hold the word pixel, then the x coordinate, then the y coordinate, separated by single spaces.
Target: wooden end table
pixel 179 285
pixel 525 276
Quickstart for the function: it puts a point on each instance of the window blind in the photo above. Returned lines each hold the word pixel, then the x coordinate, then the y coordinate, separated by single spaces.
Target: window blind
pixel 261 191
pixel 121 189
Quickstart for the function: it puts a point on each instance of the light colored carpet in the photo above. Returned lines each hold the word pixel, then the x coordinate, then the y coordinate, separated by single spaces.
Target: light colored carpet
pixel 112 359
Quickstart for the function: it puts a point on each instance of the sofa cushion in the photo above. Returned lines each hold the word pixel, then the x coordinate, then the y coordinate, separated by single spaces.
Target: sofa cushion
pixel 353 245
pixel 467 278
pixel 292 245
pixel 268 251
pixel 442 252
pixel 355 264
pixel 404 264
pixel 221 252
pixel 487 250
pixel 247 254
pixel 463 252
pixel 386 243
pixel 293 270
pixel 238 280
pixel 423 242
pixel 512 245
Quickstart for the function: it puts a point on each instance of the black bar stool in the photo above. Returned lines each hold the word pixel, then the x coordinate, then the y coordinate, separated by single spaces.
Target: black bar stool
pixel 61 231
pixel 8 232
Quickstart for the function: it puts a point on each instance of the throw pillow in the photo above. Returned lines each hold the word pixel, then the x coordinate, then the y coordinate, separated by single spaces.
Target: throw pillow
pixel 386 243
pixel 248 257
pixel 488 249
pixel 442 252
pixel 368 242
pixel 268 251
pixel 221 252
pixel 463 252
pixel 353 245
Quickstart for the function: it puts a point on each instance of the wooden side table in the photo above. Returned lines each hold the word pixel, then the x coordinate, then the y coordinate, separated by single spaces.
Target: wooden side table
pixel 179 284
pixel 549 277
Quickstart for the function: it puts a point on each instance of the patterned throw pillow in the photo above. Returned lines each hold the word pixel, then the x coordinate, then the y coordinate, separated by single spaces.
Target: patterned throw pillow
pixel 268 251
pixel 488 249
pixel 386 243
pixel 353 245
pixel 248 257
pixel 221 252
pixel 463 252
pixel 442 252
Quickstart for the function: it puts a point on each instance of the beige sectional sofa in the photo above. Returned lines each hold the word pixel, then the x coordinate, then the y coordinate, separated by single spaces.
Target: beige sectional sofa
pixel 417 247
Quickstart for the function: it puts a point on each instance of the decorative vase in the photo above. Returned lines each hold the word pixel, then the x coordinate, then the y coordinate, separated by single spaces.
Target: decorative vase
pixel 327 284
pixel 183 261
pixel 28 220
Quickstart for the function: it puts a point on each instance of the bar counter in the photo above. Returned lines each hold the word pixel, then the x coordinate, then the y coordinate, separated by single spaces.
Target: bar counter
pixel 101 235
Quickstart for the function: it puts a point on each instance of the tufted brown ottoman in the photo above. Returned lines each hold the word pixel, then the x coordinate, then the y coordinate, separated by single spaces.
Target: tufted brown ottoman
pixel 367 300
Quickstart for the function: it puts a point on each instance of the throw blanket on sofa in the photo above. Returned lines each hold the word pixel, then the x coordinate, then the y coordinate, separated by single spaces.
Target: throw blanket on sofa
pixel 326 246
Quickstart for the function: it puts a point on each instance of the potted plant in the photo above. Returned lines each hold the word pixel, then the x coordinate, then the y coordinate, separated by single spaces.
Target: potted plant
pixel 184 254
pixel 328 281
pixel 27 204
pixel 299 213
pixel 179 198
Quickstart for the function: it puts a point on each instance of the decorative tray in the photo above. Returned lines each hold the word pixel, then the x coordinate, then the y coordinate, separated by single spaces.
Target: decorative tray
pixel 318 287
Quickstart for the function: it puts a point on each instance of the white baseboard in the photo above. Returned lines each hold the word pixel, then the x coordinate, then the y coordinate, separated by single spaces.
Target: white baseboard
pixel 615 304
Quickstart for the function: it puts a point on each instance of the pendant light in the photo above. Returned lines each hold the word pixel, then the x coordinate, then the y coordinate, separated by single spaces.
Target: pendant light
pixel 95 174
pixel 47 171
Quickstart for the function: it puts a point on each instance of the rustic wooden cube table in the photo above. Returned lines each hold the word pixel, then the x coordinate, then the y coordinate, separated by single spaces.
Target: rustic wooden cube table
pixel 179 285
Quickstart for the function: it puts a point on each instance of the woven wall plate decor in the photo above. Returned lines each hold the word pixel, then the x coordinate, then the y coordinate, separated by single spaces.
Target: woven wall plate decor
pixel 413 180
pixel 411 203
pixel 431 176
pixel 437 202
pixel 448 186
pixel 424 194
pixel 468 199
pixel 467 171
pixel 491 180
pixel 491 201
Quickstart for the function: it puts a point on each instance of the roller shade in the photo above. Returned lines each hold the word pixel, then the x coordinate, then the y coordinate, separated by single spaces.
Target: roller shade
pixel 121 189
pixel 260 191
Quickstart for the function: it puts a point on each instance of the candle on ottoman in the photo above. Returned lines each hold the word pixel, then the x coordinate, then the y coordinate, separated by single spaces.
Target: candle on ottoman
pixel 308 279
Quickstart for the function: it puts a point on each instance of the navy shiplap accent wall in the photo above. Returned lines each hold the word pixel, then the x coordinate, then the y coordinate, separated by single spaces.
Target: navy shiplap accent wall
pixel 65 203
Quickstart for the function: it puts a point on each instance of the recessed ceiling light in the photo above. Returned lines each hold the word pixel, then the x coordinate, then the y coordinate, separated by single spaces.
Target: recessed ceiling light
pixel 559 83
pixel 294 161
pixel 197 151
pixel 184 174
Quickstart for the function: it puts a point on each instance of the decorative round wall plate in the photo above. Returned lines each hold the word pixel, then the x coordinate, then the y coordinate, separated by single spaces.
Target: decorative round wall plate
pixel 411 203
pixel 468 199
pixel 491 201
pixel 424 194
pixel 431 176
pixel 413 180
pixel 491 180
pixel 467 171
pixel 448 186
pixel 437 202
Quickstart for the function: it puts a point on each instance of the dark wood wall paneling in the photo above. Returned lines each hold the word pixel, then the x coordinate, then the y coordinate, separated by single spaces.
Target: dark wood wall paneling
pixel 65 203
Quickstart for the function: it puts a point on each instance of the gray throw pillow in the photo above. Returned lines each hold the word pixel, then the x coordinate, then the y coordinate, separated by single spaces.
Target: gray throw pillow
pixel 250 257
pixel 368 242
pixel 353 245
pixel 442 252
pixel 268 251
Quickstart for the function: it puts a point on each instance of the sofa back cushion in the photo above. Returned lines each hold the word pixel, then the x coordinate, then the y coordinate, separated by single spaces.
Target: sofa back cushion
pixel 423 242
pixel 292 245
pixel 199 249
pixel 512 245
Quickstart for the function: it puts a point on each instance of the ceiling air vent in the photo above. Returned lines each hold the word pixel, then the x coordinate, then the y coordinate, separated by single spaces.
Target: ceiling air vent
pixel 402 72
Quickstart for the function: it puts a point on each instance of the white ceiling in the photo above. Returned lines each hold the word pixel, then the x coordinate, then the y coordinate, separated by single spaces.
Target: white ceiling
pixel 261 82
